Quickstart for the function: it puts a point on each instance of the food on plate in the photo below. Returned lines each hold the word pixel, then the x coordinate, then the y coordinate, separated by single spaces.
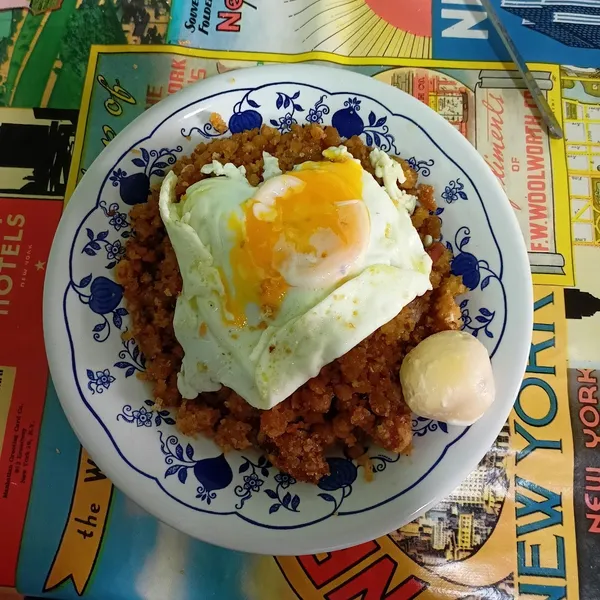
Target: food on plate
pixel 216 120
pixel 283 278
pixel 275 284
pixel 448 377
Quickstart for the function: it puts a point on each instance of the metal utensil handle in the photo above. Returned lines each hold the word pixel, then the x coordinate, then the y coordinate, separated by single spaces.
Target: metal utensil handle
pixel 554 128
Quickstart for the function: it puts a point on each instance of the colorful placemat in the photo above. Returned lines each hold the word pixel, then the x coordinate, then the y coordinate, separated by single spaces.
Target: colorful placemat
pixel 524 524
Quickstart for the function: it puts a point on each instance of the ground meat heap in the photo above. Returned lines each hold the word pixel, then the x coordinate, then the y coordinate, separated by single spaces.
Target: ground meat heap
pixel 353 401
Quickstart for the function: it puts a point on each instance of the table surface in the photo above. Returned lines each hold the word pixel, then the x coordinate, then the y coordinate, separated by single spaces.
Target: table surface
pixel 525 524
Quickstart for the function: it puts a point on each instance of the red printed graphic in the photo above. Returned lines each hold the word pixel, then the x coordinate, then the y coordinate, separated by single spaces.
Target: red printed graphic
pixel 26 231
pixel 333 565
pixel 373 584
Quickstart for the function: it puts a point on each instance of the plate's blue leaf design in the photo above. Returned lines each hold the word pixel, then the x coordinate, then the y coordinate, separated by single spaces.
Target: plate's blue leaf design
pixel 422 426
pixel 380 462
pixel 259 471
pixel 182 475
pixel 349 123
pixel 134 188
pixel 480 322
pixel 327 497
pixel 103 297
pixel 172 470
pixel 423 167
pixel 288 501
pixel 189 451
pixel 131 359
pixel 211 474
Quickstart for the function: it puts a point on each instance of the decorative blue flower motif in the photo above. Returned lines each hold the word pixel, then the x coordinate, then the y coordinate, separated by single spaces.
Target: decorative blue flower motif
pixel 134 189
pixel 161 415
pixel 253 481
pixel 99 381
pixel 347 120
pixel 349 123
pixel 242 119
pixel 421 166
pixel 144 417
pixel 245 121
pixel 284 124
pixel 315 114
pixel 118 221
pixel 132 359
pixel 105 295
pixel 343 473
pixel 352 104
pixel 284 480
pixel 289 501
pixel 475 274
pixel 466 265
pixel 453 191
pixel 116 176
pixel 481 322
pixel 103 298
pixel 115 251
pixel 421 426
pixel 212 474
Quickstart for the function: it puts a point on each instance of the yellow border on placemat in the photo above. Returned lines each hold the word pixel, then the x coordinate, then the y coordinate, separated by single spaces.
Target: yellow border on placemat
pixel 562 216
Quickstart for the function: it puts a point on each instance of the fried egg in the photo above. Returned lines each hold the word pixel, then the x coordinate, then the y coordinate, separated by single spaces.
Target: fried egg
pixel 281 279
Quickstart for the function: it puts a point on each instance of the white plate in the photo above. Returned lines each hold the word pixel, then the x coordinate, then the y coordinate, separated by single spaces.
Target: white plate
pixel 239 500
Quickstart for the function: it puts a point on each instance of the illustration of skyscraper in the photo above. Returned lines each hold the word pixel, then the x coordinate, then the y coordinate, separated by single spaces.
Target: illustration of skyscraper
pixel 575 24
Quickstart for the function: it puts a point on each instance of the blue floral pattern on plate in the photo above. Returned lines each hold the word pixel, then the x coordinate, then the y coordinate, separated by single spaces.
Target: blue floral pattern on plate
pixel 455 190
pixel 422 426
pixel 195 473
pixel 135 187
pixel 99 381
pixel 423 167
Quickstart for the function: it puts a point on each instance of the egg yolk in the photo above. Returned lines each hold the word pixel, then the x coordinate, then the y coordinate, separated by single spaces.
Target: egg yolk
pixel 304 229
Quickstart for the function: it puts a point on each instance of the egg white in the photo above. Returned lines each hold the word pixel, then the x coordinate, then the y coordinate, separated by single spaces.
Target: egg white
pixel 312 327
